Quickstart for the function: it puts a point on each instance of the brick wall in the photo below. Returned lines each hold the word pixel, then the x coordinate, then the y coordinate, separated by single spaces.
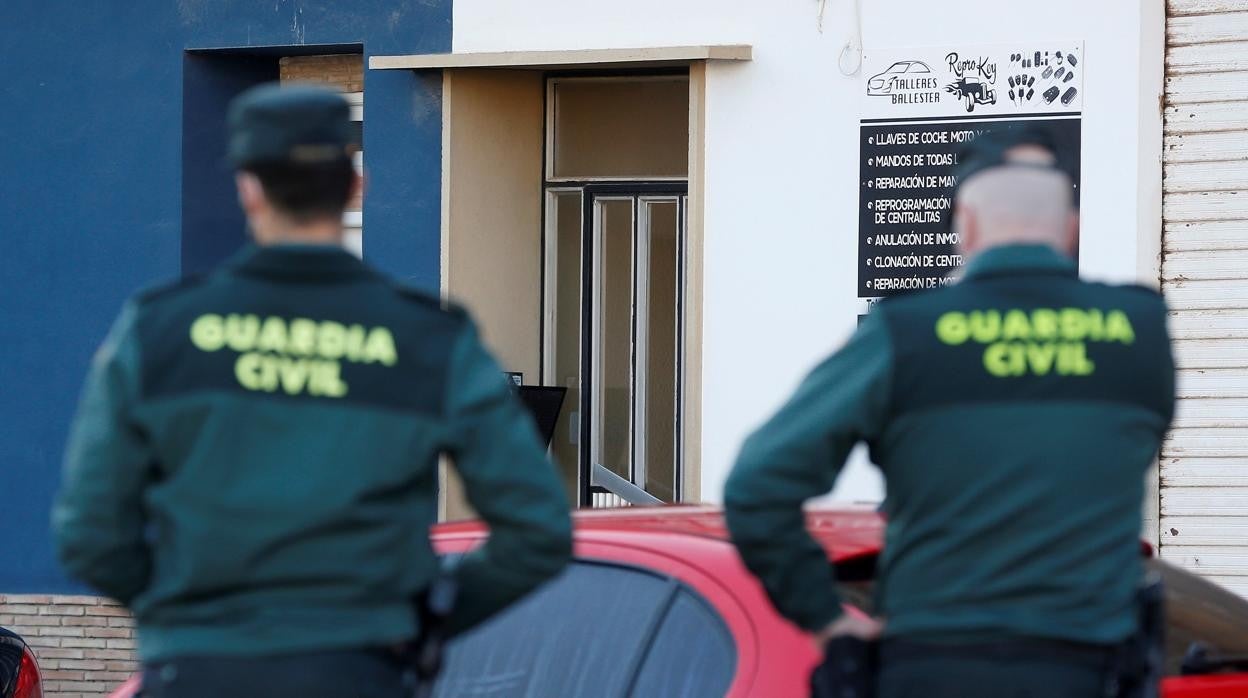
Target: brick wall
pixel 345 72
pixel 85 644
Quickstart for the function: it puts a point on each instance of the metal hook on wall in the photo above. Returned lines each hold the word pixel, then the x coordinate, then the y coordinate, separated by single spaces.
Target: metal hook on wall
pixel 850 59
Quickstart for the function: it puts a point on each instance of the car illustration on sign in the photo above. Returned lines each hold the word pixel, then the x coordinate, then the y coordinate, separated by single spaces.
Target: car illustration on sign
pixel 883 84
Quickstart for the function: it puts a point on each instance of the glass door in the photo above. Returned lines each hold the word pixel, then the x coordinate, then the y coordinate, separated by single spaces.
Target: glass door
pixel 613 333
pixel 631 338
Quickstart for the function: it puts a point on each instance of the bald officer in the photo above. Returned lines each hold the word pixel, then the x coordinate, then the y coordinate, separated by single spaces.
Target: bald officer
pixel 1014 416
pixel 253 467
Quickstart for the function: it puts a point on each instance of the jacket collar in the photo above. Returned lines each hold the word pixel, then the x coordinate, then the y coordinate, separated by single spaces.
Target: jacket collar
pixel 1019 260
pixel 297 263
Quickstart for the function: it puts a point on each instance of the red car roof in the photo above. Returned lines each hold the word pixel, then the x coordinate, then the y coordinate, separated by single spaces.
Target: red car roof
pixel 845 532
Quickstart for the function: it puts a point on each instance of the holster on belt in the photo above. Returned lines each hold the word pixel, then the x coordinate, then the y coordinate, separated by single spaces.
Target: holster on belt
pixel 433 609
pixel 1141 659
pixel 848 670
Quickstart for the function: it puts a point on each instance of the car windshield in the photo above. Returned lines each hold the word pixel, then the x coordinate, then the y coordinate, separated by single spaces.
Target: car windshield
pixel 1200 612
pixel 598 630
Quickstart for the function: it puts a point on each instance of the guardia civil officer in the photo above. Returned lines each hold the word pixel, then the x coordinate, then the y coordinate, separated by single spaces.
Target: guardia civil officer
pixel 253 468
pixel 1014 416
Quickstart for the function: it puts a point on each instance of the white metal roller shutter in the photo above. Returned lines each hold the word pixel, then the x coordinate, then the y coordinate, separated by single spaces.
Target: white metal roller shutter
pixel 1204 464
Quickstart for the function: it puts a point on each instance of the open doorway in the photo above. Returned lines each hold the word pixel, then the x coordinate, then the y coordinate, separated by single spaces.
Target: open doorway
pixel 614 280
pixel 565 207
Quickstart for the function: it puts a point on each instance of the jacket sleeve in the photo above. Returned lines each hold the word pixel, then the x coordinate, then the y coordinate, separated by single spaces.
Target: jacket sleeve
pixel 797 455
pixel 98 518
pixel 509 481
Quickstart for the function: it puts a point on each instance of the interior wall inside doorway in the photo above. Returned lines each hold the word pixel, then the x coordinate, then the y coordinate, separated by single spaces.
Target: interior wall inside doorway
pixel 492 216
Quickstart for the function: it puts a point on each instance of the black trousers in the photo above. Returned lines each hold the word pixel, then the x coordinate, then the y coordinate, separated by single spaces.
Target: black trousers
pixel 365 673
pixel 1025 669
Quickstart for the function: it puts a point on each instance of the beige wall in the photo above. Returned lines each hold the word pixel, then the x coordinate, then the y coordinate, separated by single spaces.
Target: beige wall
pixel 492 227
pixel 694 236
pixel 492 210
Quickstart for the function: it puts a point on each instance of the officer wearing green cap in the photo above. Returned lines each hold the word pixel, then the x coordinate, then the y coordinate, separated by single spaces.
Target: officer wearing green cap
pixel 1014 416
pixel 253 468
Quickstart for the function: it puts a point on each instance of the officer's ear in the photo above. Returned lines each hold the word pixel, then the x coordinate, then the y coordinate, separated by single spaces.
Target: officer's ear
pixel 359 186
pixel 250 193
pixel 967 228
pixel 1071 242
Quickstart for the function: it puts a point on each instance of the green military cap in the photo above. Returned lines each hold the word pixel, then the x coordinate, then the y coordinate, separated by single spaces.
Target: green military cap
pixel 299 124
pixel 992 150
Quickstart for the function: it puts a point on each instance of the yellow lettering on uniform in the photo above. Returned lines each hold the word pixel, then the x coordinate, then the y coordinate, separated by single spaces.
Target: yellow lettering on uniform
pixel 241 331
pixel 331 341
pixel 269 375
pixel 272 335
pixel 951 329
pixel 355 343
pixel 247 370
pixel 985 326
pixel 1118 328
pixel 294 374
pixel 327 380
pixel 207 333
pixel 1096 325
pixel 1016 326
pixel 1044 324
pixel 996 360
pixel 1040 357
pixel 380 347
pixel 1074 324
pixel 302 337
pixel 1072 360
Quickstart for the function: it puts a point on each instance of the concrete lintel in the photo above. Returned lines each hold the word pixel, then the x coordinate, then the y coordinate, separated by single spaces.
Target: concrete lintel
pixel 586 58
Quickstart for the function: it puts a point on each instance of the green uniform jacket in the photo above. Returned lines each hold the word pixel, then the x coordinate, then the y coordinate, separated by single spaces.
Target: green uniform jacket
pixel 253 468
pixel 1014 416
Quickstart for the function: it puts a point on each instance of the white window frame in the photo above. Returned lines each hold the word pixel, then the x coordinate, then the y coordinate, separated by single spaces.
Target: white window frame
pixel 353 221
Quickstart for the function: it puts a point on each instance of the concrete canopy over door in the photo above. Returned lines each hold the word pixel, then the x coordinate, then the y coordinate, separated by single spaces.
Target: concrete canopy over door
pixel 1204 464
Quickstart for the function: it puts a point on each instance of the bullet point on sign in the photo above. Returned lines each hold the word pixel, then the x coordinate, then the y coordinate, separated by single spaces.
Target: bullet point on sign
pixel 870 161
pixel 868 261
pixel 870 205
pixel 868 284
pixel 871 140
pixel 871 184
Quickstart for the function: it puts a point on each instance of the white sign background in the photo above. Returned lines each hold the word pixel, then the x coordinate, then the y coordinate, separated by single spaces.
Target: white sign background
pixel 973 81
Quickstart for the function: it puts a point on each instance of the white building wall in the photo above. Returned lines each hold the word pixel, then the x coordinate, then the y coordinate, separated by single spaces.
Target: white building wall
pixel 782 161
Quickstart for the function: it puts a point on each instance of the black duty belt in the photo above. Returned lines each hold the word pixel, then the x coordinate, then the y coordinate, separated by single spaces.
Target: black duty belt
pixel 1095 657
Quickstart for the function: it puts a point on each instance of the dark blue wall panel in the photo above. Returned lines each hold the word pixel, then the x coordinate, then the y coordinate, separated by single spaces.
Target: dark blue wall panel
pixel 113 179
pixel 211 229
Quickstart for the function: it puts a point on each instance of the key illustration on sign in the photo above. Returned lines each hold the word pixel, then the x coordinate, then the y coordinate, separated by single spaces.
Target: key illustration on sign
pixel 1053 70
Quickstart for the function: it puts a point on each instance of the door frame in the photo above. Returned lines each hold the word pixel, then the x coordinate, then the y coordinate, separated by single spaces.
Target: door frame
pixel 637 191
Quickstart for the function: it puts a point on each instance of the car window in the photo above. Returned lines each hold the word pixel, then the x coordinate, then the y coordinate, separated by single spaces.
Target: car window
pixel 587 633
pixel 10 661
pixel 692 656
